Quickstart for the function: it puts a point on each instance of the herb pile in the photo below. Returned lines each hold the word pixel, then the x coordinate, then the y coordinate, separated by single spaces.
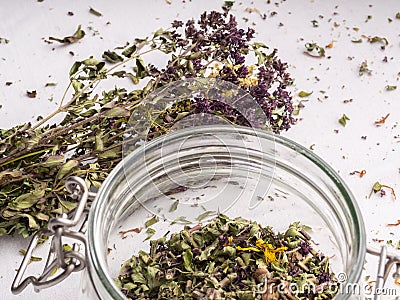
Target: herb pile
pixel 229 259
pixel 36 159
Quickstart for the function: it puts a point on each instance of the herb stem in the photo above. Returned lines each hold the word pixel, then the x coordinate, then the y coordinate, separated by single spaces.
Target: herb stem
pixel 24 156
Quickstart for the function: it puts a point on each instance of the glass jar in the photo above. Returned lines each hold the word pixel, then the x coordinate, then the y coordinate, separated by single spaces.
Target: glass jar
pixel 233 170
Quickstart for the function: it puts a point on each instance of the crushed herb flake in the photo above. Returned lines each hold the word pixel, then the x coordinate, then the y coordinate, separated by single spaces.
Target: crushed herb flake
pixel 79 34
pixel 394 224
pixel 124 232
pixel 151 221
pixel 364 69
pixel 382 120
pixel 4 40
pixel 376 39
pixel 303 94
pixel 391 87
pixel 314 23
pixel 229 259
pixel 314 50
pixel 360 173
pixel 378 187
pixel 95 12
pixel 31 94
pixel 343 120
pixel 33 258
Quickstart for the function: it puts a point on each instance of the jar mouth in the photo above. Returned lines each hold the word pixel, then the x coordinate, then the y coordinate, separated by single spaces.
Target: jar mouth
pixel 345 206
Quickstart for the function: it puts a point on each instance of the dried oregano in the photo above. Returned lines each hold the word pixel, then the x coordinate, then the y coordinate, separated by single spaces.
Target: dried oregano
pixel 229 259
pixel 36 159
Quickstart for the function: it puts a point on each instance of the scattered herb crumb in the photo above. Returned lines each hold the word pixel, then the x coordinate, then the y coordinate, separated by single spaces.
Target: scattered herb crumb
pixel 314 50
pixel 343 120
pixel 50 84
pixel 391 87
pixel 229 3
pixel 364 69
pixel 174 206
pixel 303 94
pixel 382 120
pixel 330 45
pixel 4 40
pixel 376 39
pixel 150 232
pixel 151 221
pixel 31 94
pixel 79 34
pixel 124 232
pixel 398 15
pixel 314 23
pixel 8 83
pixel 95 12
pixel 181 219
pixel 360 173
pixel 70 13
pixel 378 187
pixel 394 224
pixel 33 258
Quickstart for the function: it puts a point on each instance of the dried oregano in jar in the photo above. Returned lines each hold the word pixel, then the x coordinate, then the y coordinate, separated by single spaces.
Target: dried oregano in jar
pixel 230 259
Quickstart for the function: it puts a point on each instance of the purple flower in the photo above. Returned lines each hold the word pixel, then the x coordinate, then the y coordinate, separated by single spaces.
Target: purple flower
pixel 304 248
pixel 177 24
pixel 323 277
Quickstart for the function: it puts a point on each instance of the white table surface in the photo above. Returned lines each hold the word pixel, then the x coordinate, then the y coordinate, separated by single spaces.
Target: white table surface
pixel 28 62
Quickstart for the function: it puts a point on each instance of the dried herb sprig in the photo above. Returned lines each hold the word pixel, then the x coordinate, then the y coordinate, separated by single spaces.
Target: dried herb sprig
pixel 229 259
pixel 36 159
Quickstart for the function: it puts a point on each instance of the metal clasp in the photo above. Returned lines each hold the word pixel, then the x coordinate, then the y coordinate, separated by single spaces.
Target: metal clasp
pixel 386 263
pixel 58 259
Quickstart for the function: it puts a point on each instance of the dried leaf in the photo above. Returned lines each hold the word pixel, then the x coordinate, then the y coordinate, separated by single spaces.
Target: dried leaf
pixel 75 68
pixel 112 153
pixel 117 112
pixel 112 57
pixel 174 206
pixel 53 161
pixel 27 200
pixel 79 34
pixel 151 221
pixel 187 260
pixel 31 94
pixel 94 12
pixel 67 168
pixel 303 94
pixel 343 120
pixel 31 221
pixel 150 232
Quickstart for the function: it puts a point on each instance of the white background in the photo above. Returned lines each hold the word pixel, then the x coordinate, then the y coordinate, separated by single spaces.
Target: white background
pixel 29 63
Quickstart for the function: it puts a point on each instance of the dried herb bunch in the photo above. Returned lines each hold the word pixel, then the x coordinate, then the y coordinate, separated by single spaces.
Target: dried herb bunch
pixel 36 159
pixel 229 259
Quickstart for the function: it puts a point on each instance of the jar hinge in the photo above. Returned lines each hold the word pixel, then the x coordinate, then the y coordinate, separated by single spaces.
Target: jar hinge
pixel 61 262
pixel 386 263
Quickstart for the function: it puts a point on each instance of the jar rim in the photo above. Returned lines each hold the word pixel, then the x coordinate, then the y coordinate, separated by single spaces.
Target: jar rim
pixel 97 263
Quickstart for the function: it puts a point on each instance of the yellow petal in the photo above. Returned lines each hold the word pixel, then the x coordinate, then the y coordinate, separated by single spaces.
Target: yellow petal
pixel 249 248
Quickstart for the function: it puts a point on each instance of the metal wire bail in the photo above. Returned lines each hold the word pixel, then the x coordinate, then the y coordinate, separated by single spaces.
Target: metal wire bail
pixel 386 263
pixel 59 259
